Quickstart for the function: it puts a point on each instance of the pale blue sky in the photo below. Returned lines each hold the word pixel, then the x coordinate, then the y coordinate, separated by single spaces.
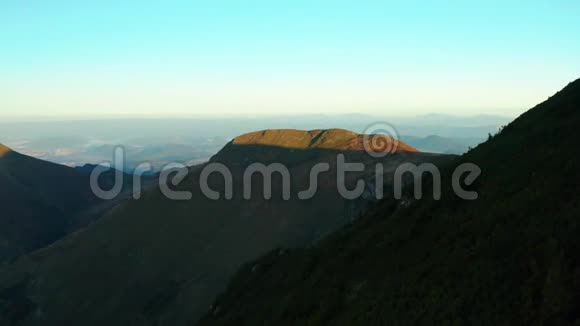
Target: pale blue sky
pixel 62 58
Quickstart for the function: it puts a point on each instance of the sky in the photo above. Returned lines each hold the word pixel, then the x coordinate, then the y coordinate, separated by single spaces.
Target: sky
pixel 227 58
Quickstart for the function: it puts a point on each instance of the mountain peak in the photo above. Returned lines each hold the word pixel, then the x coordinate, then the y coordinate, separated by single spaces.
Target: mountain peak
pixel 336 139
pixel 4 149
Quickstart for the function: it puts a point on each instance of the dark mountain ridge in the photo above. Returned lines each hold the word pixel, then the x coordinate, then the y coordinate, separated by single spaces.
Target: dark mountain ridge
pixel 508 258
pixel 39 200
pixel 158 261
pixel 42 201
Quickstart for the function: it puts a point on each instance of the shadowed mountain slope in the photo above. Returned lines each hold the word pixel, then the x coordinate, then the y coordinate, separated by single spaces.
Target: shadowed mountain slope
pixel 508 258
pixel 158 261
pixel 39 202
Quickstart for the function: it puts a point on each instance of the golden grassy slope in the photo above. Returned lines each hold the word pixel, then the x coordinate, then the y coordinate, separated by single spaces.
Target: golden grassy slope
pixel 338 139
pixel 4 150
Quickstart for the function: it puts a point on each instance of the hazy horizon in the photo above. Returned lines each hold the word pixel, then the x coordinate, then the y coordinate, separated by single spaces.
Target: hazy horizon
pixel 240 116
pixel 195 140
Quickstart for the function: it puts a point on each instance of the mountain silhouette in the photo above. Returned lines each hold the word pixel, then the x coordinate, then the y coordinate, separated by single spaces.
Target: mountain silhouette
pixel 509 257
pixel 40 202
pixel 159 261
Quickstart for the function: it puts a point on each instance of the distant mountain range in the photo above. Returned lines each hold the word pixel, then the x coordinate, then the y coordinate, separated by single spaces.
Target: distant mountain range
pixel 195 140
pixel 438 144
